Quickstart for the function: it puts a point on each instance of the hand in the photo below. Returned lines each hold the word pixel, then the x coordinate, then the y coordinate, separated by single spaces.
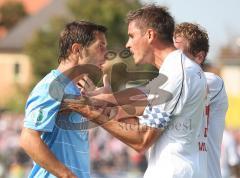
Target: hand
pixel 89 88
pixel 99 115
pixel 82 106
pixel 85 84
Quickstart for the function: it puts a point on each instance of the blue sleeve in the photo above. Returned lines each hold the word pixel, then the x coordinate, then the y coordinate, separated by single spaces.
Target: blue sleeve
pixel 41 110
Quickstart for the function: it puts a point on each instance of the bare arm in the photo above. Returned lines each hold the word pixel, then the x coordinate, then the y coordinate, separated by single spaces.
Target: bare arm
pixel 34 146
pixel 124 97
pixel 135 135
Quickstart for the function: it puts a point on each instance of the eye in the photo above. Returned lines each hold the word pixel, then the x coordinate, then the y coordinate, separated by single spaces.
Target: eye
pixel 101 47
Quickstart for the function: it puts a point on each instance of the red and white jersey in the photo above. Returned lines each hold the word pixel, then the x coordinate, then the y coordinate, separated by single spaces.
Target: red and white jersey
pixel 175 154
pixel 210 138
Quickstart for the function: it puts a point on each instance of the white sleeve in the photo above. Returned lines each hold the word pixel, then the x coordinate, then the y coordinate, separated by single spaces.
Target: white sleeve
pixel 165 99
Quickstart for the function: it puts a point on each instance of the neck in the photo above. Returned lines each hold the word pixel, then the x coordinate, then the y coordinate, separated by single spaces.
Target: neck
pixel 160 54
pixel 65 67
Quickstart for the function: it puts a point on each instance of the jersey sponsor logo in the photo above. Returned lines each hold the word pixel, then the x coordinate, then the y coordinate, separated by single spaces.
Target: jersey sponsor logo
pixel 202 146
pixel 207 110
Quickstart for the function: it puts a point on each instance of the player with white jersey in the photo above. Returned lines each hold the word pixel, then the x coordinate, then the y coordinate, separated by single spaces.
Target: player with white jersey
pixel 193 41
pixel 171 128
pixel 175 151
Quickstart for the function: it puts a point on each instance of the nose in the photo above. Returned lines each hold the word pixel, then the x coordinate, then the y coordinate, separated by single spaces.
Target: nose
pixel 128 44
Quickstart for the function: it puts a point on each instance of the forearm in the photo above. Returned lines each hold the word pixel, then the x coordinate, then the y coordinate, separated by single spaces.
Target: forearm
pixel 138 137
pixel 126 111
pixel 41 154
pixel 135 135
pixel 124 97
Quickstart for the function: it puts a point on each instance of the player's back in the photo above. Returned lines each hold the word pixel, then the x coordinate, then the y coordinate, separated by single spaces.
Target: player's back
pixel 217 108
pixel 175 153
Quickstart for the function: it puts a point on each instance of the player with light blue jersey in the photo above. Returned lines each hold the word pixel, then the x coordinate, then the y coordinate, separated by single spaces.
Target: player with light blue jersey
pixel 58 142
pixel 69 146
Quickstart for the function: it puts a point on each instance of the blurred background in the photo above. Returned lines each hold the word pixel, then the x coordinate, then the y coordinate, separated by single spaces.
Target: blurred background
pixel 28 51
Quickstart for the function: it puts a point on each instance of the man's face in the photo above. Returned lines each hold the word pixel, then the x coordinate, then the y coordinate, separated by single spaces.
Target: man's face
pixel 137 43
pixel 95 53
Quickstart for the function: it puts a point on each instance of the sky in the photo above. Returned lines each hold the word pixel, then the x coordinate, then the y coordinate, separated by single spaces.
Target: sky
pixel 221 18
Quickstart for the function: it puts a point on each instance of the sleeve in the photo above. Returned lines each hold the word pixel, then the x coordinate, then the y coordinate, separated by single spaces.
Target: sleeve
pixel 41 110
pixel 165 98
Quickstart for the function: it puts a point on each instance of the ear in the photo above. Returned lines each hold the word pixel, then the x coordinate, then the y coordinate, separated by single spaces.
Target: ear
pixel 200 57
pixel 76 48
pixel 151 35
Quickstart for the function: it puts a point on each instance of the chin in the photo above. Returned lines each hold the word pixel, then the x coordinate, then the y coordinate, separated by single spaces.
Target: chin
pixel 137 60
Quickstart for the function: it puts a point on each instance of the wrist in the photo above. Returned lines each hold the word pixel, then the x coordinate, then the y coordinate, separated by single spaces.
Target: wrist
pixel 64 172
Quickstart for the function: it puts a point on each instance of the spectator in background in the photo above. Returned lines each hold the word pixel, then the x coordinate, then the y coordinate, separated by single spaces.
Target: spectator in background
pixel 229 158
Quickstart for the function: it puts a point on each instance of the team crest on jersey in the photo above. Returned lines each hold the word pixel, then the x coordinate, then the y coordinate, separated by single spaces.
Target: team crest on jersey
pixel 38 117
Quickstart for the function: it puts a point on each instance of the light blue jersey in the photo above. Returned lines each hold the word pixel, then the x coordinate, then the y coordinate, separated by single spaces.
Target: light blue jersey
pixel 60 132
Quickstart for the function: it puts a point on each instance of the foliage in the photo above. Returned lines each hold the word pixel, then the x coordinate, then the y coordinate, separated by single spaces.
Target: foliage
pixel 11 13
pixel 43 47
pixel 109 13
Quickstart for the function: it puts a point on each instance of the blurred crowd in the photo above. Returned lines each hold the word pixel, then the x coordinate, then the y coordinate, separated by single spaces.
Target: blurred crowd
pixel 109 157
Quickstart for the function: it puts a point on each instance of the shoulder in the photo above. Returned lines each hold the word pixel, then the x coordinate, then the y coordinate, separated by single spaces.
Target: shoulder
pixel 173 65
pixel 213 80
pixel 216 87
pixel 41 90
pixel 45 82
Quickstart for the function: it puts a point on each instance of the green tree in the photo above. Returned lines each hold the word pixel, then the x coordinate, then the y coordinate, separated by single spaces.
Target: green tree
pixel 11 13
pixel 110 13
pixel 43 47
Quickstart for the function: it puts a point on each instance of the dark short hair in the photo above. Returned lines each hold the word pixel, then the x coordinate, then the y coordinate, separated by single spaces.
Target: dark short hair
pixel 196 36
pixel 156 17
pixel 82 32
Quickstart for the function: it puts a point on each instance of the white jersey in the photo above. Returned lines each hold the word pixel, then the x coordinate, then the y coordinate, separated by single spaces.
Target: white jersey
pixel 216 112
pixel 210 137
pixel 175 153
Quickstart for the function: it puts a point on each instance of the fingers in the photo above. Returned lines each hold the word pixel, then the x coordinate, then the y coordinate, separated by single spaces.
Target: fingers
pixel 69 105
pixel 106 81
pixel 89 82
pixel 85 84
pixel 81 101
pixel 106 85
